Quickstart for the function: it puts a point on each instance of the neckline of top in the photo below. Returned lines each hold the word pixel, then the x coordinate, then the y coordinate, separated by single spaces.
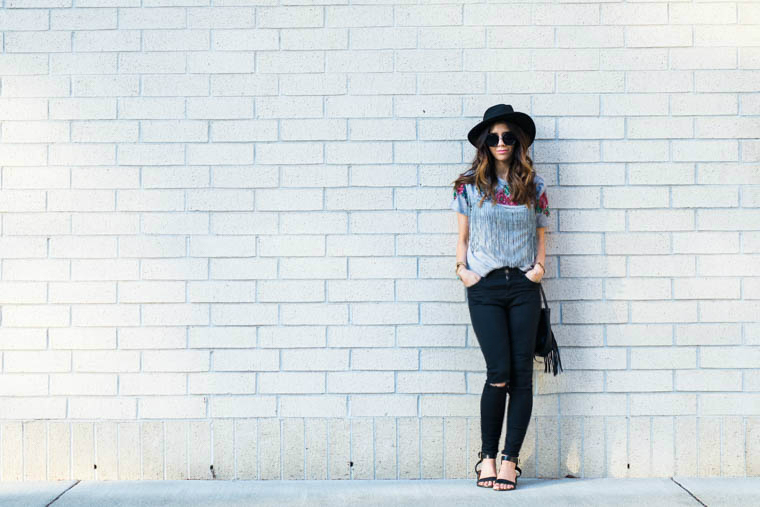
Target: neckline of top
pixel 502 180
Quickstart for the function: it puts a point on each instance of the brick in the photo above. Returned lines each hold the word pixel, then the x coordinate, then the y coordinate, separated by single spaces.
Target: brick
pixel 82 450
pixel 432 444
pixel 547 431
pixel 593 447
pixel 663 436
pixel 708 334
pixel 314 448
pixel 246 448
pixel 290 383
pixel 360 382
pixel 617 443
pixel 708 380
pixel 733 445
pixel 169 407
pixel 223 453
pixel 221 383
pixel 311 406
pixel 663 404
pixel 639 334
pixel 430 382
pixel 633 381
pixel 199 453
pixel 293 448
pixel 663 357
pixel 571 433
pixel 314 359
pixel 383 405
pixel 385 464
pixel 603 403
pixel 152 443
pixel 686 445
pixel 362 451
pixel 35 452
pixel 728 357
pixel 243 406
pixel 106 448
pixel 59 450
pixel 101 407
pixel 730 403
pixel 129 451
pixel 639 457
pixel 177 445
pixel 708 446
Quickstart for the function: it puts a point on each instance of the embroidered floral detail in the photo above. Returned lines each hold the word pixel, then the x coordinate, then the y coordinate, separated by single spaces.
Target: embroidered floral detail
pixel 503 197
pixel 543 205
pixel 463 191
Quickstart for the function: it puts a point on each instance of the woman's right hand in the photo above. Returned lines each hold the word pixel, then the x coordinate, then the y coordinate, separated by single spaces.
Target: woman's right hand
pixel 469 278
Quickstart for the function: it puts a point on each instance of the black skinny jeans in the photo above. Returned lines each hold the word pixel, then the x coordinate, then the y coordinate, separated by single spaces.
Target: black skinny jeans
pixel 505 307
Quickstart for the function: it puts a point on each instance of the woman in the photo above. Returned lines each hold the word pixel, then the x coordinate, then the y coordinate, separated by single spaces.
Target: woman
pixel 503 213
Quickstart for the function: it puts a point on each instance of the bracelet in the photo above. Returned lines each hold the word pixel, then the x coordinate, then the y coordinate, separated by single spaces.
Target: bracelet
pixel 456 270
pixel 542 267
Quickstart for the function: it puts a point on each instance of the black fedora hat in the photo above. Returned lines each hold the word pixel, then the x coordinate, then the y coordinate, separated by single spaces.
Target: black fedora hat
pixel 504 112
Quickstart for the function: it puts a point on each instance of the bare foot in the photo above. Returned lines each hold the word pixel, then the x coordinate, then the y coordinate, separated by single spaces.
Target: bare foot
pixel 488 469
pixel 506 471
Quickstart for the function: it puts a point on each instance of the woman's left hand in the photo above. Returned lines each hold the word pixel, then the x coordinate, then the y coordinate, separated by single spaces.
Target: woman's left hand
pixel 535 274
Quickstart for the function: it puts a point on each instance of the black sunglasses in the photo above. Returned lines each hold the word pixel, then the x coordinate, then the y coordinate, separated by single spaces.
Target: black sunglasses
pixel 508 138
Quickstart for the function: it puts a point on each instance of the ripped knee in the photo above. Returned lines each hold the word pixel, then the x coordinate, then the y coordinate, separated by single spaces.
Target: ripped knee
pixel 500 384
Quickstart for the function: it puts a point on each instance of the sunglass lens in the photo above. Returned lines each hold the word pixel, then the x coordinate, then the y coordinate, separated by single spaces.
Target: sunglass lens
pixel 508 138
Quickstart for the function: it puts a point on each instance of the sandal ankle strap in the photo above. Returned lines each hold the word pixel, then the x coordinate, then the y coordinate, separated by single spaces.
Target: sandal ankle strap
pixel 513 459
pixel 507 457
pixel 482 455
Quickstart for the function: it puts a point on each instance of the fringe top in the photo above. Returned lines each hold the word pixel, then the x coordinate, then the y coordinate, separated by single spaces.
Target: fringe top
pixel 504 232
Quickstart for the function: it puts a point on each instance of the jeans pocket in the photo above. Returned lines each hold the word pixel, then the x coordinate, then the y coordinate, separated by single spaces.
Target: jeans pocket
pixel 525 275
pixel 476 283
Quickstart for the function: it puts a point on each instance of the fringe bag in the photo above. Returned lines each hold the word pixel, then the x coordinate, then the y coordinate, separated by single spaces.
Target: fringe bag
pixel 546 345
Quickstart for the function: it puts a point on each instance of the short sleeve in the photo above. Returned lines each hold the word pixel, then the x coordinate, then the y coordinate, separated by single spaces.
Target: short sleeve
pixel 542 204
pixel 461 201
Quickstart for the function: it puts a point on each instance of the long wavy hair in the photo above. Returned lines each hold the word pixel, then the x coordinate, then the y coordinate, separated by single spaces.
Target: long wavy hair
pixel 482 173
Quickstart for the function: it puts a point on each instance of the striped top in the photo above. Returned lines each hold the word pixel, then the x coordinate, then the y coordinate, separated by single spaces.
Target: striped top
pixel 501 234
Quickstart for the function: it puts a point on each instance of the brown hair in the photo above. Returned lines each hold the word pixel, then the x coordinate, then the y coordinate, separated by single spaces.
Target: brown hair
pixel 482 173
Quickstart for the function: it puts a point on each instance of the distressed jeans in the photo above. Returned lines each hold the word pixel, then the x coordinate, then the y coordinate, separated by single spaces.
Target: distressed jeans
pixel 505 307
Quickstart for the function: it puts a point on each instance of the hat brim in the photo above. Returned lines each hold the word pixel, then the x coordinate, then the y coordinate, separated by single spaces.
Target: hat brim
pixel 524 121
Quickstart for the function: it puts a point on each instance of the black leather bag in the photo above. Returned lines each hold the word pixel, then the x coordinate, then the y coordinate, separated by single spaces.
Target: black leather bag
pixel 546 345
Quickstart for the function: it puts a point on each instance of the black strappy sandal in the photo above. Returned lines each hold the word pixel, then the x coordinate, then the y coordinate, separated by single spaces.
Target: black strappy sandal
pixel 483 456
pixel 513 459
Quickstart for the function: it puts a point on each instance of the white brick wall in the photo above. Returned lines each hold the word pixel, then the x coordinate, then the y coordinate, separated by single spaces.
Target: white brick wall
pixel 225 238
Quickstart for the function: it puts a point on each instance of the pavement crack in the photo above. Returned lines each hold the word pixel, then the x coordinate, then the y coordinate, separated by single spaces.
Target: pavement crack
pixel 62 493
pixel 689 492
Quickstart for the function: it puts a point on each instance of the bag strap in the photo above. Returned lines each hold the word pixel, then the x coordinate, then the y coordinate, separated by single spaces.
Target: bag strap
pixel 541 286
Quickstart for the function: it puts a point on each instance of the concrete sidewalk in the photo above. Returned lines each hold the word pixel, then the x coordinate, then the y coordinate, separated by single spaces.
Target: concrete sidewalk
pixel 530 492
